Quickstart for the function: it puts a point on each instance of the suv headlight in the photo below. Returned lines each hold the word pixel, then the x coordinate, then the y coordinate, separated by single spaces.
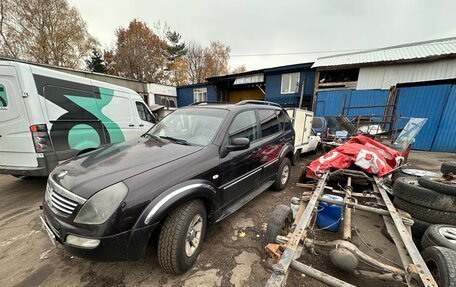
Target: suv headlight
pixel 102 204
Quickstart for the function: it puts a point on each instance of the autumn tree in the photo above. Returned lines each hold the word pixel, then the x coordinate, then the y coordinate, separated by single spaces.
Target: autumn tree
pixel 96 62
pixel 138 54
pixel 44 31
pixel 217 56
pixel 238 69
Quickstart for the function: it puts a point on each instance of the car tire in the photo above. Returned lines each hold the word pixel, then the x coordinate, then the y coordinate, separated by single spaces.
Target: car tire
pixel 409 189
pixel 176 251
pixel 448 167
pixel 283 175
pixel 440 235
pixel 296 157
pixel 398 174
pixel 441 185
pixel 441 262
pixel 279 223
pixel 419 227
pixel 426 214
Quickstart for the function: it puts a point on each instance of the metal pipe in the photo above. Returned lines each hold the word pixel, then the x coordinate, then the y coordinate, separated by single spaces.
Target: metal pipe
pixel 347 210
pixel 280 269
pixel 303 86
pixel 419 268
pixel 356 205
pixel 361 255
pixel 320 276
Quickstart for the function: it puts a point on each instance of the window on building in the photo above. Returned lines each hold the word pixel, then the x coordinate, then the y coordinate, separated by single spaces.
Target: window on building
pixel 338 79
pixel 290 83
pixel 166 101
pixel 243 126
pixel 200 95
pixel 268 122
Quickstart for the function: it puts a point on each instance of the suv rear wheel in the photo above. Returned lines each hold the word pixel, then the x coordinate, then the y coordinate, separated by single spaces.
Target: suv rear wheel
pixel 181 237
pixel 283 175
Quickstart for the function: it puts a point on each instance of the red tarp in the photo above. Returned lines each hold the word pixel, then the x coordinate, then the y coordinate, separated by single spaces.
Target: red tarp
pixel 372 156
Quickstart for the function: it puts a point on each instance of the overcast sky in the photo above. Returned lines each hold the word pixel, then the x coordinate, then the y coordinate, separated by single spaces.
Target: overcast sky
pixel 252 27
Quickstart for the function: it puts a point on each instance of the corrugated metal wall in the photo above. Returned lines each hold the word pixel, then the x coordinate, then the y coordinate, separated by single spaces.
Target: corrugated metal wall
pixel 445 140
pixel 437 103
pixel 383 77
pixel 331 103
pixel 423 102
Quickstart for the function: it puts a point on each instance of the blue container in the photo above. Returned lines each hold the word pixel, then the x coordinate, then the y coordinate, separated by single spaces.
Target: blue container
pixel 329 215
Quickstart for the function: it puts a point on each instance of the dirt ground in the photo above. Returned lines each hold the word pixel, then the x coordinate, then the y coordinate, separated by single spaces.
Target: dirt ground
pixel 27 257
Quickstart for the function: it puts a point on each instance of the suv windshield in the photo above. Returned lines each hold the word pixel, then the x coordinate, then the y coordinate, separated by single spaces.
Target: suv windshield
pixel 189 126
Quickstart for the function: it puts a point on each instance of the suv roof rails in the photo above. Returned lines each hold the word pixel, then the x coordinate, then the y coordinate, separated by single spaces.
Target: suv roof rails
pixel 257 102
pixel 207 103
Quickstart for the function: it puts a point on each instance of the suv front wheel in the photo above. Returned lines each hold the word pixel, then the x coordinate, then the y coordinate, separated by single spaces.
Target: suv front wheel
pixel 283 175
pixel 181 237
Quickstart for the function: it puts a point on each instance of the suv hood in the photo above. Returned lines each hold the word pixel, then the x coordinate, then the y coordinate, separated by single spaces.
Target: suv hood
pixel 93 171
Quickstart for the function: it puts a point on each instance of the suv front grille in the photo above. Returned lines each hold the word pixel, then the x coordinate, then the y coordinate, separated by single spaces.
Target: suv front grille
pixel 62 203
pixel 61 200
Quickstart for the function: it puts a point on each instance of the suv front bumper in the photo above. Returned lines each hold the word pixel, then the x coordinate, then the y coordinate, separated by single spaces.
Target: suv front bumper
pixel 127 245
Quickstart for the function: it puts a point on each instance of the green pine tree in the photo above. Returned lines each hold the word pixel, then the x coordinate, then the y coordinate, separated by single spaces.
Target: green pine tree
pixel 174 49
pixel 96 62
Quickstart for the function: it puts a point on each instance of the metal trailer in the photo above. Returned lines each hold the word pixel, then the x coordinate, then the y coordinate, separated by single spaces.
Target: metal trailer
pixel 343 253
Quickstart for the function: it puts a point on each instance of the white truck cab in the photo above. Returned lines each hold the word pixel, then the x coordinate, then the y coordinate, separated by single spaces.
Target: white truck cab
pixel 47 117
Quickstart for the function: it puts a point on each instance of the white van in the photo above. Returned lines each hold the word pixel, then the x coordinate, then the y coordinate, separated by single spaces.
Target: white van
pixel 47 117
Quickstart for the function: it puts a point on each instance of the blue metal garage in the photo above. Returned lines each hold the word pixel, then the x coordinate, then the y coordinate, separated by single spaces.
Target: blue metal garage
pixel 415 80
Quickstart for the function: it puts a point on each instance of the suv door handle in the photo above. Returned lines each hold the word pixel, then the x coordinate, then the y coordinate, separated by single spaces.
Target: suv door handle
pixel 131 125
pixel 141 125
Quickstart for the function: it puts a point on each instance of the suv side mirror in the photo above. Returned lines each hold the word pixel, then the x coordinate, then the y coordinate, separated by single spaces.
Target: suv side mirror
pixel 238 144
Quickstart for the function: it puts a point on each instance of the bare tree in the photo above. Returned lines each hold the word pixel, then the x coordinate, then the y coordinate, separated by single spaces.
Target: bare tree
pixel 45 31
pixel 206 62
pixel 195 63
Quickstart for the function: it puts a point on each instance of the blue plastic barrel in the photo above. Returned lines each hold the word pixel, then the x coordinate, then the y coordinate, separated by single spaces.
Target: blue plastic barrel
pixel 329 215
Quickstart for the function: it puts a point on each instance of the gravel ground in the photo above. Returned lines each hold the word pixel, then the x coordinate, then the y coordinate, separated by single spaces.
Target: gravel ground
pixel 27 257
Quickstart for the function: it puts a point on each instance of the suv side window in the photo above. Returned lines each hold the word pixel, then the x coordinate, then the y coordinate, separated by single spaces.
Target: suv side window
pixel 144 113
pixel 243 126
pixel 268 122
pixel 285 122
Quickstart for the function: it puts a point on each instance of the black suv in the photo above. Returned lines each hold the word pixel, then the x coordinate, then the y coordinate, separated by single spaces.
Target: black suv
pixel 198 165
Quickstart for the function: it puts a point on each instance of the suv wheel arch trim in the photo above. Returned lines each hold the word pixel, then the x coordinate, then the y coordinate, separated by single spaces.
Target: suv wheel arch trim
pixel 171 195
pixel 286 149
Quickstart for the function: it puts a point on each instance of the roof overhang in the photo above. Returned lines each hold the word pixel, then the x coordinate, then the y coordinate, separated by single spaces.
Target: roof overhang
pixel 252 79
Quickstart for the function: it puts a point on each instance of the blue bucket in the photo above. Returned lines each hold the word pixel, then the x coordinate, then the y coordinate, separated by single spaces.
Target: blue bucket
pixel 329 215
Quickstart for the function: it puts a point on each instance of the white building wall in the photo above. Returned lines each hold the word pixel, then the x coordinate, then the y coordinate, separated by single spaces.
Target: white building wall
pixel 383 77
pixel 157 89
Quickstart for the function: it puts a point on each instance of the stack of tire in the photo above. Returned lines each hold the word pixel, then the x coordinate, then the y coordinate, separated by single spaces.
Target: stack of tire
pixel 428 200
pixel 432 204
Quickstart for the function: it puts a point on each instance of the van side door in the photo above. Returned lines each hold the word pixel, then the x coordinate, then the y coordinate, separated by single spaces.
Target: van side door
pixel 117 115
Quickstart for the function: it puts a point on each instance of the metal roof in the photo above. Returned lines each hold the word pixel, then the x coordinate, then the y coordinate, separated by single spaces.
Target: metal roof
pixel 407 53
